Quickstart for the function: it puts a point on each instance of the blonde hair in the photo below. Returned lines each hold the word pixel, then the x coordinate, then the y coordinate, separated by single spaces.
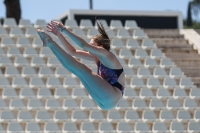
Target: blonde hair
pixel 103 38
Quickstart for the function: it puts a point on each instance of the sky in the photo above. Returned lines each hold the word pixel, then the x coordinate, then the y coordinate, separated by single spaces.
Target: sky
pixel 50 9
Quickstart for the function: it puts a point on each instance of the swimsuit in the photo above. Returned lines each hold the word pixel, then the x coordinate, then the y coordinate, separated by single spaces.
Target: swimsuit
pixel 110 75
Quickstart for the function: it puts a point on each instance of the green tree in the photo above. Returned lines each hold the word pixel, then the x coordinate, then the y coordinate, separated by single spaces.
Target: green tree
pixel 13 9
pixel 193 8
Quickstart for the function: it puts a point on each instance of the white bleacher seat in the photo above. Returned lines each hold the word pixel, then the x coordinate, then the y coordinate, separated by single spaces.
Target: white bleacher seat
pixel 159 72
pixel 132 44
pixel 53 62
pixel 133 62
pixel 42 116
pixel 3 104
pixel 37 61
pixel 123 127
pixel 9 22
pixel 21 61
pixel 92 32
pixel 37 42
pixel 28 71
pixel 190 104
pixel 183 115
pixel 4 82
pixel 87 104
pixel 169 83
pixel 186 83
pixel 36 82
pixel 9 93
pixel 51 127
pixel 61 93
pixel 159 127
pixel 70 104
pixel 86 24
pixel 24 116
pixel 123 105
pixel 131 116
pixel 147 44
pixel 122 61
pixel 60 116
pixel 34 104
pixel 62 72
pixel 26 93
pixel 16 104
pixel 7 42
pixel 104 23
pixel 177 127
pixel 129 72
pixel 87 62
pixel 156 54
pixel 149 116
pixel 45 72
pixel 69 127
pixel 71 23
pixel 31 32
pixel 179 93
pixel 125 53
pixel 78 116
pixel 156 104
pixel 33 127
pixel 19 82
pixel 173 104
pixel 70 82
pixel 116 24
pixel 146 93
pixel 143 72
pixel 13 52
pixel 11 71
pixel 1 73
pixel 175 72
pixel 194 93
pixel 166 63
pixel 130 93
pixel 141 53
pixel 44 93
pixel 141 127
pixel 139 104
pixel 79 32
pixel 163 93
pixel 88 127
pixel 166 116
pixel 46 52
pixel 137 82
pixel 7 116
pixel 117 44
pixel 52 104
pixel 3 32
pixel 105 127
pixel 193 127
pixel 153 83
pixel 24 23
pixel 96 115
pixel 123 34
pixel 150 63
pixel 14 127
pixel 40 23
pixel 111 34
pixel 79 93
pixel 2 52
pixel 23 42
pixel 139 34
pixel 30 52
pixel 130 25
pixel 2 130
pixel 16 32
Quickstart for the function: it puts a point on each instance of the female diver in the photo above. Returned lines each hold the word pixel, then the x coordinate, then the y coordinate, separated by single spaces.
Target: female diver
pixel 106 87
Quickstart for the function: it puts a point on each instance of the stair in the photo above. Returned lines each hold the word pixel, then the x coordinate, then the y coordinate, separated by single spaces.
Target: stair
pixel 176 47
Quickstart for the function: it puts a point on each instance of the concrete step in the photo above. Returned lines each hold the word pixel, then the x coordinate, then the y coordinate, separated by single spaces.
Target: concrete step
pixel 191 71
pixel 180 51
pixel 181 55
pixel 187 62
pixel 163 33
pixel 196 81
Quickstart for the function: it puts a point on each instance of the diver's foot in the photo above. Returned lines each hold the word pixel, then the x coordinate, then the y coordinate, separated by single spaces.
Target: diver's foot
pixel 44 37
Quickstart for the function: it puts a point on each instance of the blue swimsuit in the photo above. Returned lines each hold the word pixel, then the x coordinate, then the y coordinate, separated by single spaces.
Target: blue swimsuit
pixel 110 75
